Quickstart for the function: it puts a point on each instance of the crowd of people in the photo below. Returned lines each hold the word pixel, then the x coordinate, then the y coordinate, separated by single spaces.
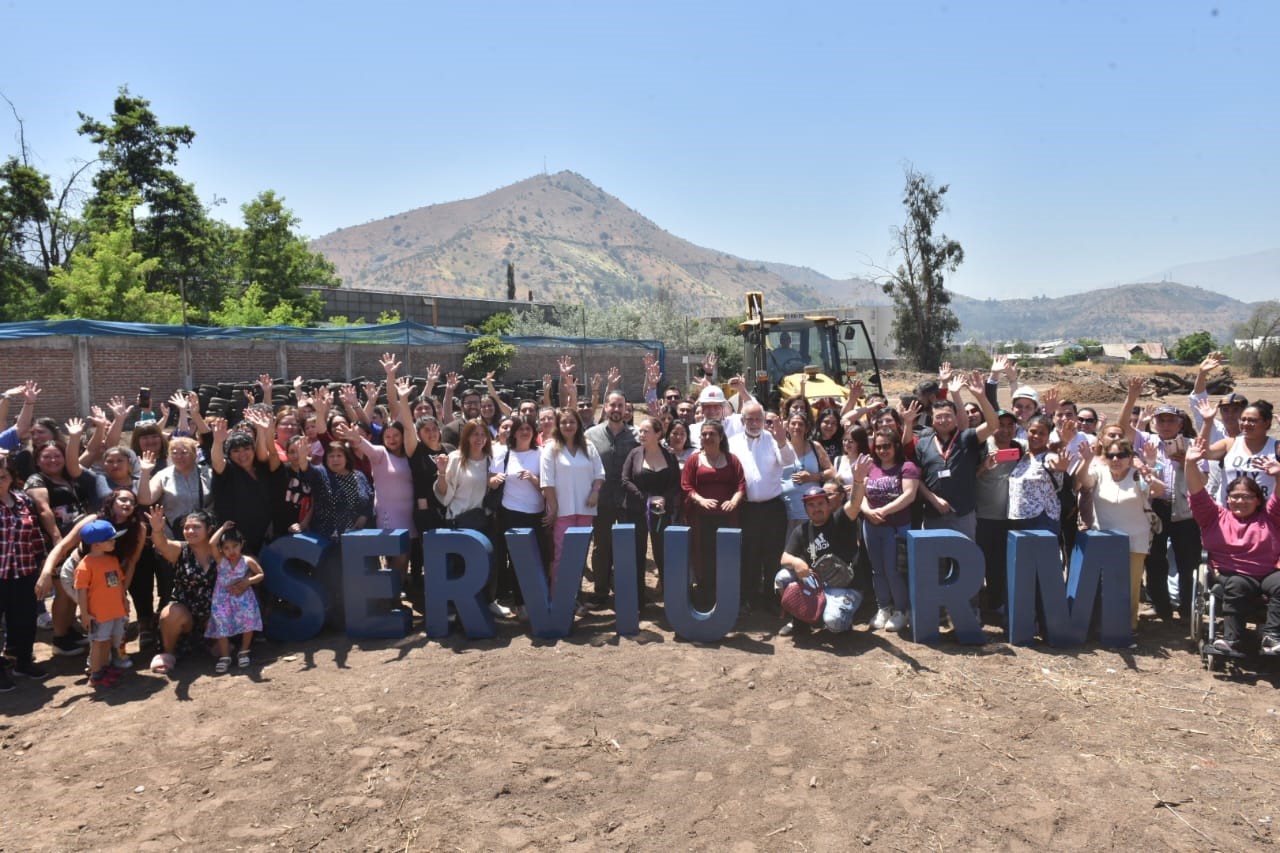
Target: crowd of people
pixel 822 490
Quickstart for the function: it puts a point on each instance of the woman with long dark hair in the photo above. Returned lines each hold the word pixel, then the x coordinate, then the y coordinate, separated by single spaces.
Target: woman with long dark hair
pixel 519 467
pixel 463 479
pixel 572 476
pixel 713 485
pixel 651 487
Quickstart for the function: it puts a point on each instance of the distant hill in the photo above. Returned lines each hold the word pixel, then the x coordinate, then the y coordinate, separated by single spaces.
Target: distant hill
pixel 1162 311
pixel 834 292
pixel 1251 276
pixel 570 242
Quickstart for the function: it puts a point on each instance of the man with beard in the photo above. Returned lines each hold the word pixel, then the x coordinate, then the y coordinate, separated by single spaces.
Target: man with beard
pixel 613 439
pixel 470 401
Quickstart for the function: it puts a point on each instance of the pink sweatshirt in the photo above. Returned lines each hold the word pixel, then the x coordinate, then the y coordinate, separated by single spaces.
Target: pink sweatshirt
pixel 1250 547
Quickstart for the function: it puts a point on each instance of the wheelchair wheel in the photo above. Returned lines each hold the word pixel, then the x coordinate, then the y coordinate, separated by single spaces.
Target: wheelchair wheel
pixel 1199 603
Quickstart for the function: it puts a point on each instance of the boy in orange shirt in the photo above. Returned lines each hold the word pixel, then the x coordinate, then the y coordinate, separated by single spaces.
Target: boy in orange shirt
pixel 100 587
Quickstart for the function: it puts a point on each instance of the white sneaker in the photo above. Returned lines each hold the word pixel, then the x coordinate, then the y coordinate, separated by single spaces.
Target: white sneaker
pixel 120 662
pixel 499 610
pixel 881 619
pixel 44 621
pixel 897 621
pixel 787 630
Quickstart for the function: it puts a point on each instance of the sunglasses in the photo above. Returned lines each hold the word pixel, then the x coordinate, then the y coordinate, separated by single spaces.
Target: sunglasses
pixel 1118 455
pixel 1087 420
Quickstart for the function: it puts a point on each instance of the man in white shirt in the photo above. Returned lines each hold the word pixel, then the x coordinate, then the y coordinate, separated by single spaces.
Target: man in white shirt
pixel 764 514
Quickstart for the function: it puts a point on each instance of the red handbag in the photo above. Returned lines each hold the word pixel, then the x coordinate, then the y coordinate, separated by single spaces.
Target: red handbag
pixel 805 600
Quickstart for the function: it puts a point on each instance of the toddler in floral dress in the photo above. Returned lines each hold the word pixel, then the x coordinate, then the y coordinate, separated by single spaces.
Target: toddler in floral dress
pixel 235 608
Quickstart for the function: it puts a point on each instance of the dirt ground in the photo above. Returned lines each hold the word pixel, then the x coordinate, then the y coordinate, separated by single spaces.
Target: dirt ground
pixel 651 743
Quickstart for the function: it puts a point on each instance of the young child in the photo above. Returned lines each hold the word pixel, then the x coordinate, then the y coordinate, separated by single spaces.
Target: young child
pixel 235 609
pixel 100 588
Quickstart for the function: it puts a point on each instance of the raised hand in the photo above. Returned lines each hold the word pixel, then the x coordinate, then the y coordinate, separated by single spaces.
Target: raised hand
pixel 1211 362
pixel 347 394
pixel 119 406
pixel 147 462
pixel 597 383
pixel 442 462
pixel 30 392
pixel 862 467
pixel 1196 450
pixel 75 428
pixel 156 516
pixel 613 378
pixel 1207 409
pixel 977 385
pixel 1268 464
pixel 433 373
pixel 264 382
pixel 999 364
pixel 370 390
pixel 451 381
pixel 179 400
pixel 709 364
pixel 389 364
pixel 1135 385
pixel 565 363
pixel 1150 453
pixel 258 419
pixel 1049 399
pixel 404 387
pixel 955 382
pixel 944 372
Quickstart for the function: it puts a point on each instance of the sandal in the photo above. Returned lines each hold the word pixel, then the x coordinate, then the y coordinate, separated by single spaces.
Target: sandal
pixel 222 666
pixel 163 663
pixel 242 660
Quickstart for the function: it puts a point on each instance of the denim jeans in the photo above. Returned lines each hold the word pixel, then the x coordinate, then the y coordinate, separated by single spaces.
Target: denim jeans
pixel 882 547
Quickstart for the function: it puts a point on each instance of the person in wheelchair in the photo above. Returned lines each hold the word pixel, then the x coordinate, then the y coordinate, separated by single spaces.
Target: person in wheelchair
pixel 1243 542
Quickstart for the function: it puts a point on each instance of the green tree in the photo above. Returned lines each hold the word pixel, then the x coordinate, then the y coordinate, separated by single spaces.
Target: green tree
pixel 250 309
pixel 497 324
pixel 269 252
pixel 1194 347
pixel 923 320
pixel 136 154
pixel 108 281
pixel 135 151
pixel 486 353
pixel 38 230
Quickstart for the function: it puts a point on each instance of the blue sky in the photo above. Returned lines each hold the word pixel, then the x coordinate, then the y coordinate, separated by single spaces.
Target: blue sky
pixel 1085 143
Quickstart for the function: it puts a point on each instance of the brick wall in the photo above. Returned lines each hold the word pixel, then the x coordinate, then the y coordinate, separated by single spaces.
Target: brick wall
pixel 49 361
pixel 120 365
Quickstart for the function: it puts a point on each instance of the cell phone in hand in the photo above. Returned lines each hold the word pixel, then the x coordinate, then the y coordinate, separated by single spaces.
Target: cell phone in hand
pixel 1009 454
pixel 144 398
